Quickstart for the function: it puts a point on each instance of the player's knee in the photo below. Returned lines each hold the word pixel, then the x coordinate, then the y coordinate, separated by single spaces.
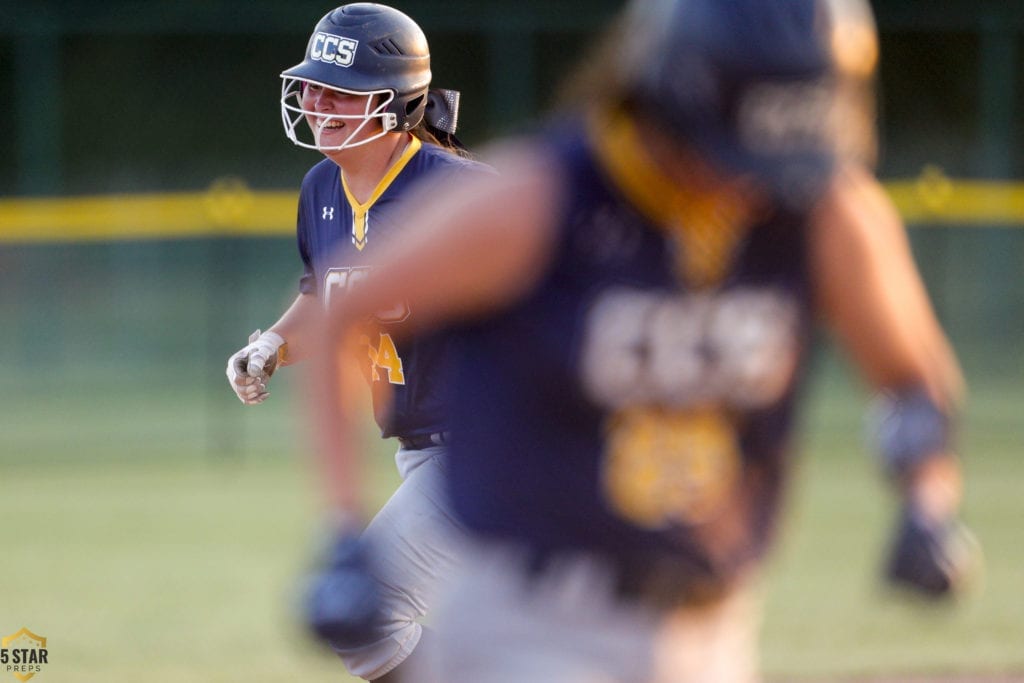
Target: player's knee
pixel 377 632
pixel 393 622
pixel 371 660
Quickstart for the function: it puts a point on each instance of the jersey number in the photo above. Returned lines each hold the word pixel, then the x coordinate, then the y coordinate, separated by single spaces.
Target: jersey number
pixel 385 357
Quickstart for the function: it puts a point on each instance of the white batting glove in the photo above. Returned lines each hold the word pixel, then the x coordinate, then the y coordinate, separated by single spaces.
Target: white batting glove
pixel 250 369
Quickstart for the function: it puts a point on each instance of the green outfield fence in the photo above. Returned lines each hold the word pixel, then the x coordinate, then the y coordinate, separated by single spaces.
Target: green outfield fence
pixel 107 295
pixel 225 257
pixel 115 279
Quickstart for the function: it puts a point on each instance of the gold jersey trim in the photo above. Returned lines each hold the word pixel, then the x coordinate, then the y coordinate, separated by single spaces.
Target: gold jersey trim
pixel 707 227
pixel 361 211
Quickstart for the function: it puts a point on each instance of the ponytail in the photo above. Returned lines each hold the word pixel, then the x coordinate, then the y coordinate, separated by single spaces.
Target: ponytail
pixel 440 120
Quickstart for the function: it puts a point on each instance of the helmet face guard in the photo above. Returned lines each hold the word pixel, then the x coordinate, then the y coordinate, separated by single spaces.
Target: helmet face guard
pixel 360 49
pixel 294 116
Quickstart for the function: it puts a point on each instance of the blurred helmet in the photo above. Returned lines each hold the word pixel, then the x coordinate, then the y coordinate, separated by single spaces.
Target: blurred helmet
pixel 363 49
pixel 781 89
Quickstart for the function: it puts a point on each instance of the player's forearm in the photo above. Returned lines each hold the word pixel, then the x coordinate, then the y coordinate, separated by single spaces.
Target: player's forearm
pixel 871 294
pixel 331 388
pixel 295 326
pixel 935 486
pixel 873 298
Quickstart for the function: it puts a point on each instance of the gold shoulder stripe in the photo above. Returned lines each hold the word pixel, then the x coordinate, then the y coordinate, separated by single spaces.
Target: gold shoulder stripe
pixel 707 227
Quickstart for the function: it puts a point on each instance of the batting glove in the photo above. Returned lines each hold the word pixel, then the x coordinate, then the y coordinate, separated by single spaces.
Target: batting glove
pixel 250 369
pixel 343 602
pixel 932 558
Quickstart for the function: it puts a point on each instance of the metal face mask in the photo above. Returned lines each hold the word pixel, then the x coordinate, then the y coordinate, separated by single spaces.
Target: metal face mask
pixel 322 124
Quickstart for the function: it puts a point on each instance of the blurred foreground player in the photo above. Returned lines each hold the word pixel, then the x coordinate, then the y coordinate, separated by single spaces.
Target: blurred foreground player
pixel 361 97
pixel 632 303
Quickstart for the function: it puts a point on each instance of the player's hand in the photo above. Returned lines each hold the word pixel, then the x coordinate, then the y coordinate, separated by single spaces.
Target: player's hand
pixel 250 369
pixel 343 602
pixel 934 558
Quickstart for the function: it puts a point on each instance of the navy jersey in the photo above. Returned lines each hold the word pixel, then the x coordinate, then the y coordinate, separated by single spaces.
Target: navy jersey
pixel 338 240
pixel 637 403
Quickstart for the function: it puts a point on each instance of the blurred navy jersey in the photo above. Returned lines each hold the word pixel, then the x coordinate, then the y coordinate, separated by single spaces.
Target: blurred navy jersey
pixel 338 240
pixel 638 402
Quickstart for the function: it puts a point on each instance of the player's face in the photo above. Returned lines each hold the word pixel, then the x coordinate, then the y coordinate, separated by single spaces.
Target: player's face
pixel 330 103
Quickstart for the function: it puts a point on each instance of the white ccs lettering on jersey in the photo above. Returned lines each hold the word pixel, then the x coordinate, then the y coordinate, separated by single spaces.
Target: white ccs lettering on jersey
pixel 736 348
pixel 338 280
pixel 332 49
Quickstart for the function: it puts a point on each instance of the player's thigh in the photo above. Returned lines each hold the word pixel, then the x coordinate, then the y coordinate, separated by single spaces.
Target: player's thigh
pixel 497 624
pixel 416 539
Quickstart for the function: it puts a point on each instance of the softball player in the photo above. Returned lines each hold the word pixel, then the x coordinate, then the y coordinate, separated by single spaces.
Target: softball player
pixel 633 300
pixel 360 96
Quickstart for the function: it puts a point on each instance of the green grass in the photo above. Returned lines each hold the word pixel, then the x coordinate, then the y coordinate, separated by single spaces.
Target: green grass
pixel 159 537
pixel 827 611
pixel 160 571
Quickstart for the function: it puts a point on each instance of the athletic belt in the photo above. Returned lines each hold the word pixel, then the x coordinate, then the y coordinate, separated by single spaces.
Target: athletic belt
pixel 421 441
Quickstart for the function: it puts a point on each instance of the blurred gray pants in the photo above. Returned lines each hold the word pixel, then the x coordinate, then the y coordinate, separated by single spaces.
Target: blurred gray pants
pixel 416 539
pixel 497 624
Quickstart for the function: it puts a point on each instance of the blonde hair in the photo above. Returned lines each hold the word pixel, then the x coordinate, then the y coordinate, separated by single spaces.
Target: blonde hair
pixel 425 134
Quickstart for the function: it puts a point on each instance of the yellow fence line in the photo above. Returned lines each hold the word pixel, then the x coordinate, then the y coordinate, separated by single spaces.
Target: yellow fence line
pixel 224 210
pixel 933 198
pixel 229 208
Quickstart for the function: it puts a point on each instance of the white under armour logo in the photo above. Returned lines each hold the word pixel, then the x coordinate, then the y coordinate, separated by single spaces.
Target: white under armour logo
pixel 329 213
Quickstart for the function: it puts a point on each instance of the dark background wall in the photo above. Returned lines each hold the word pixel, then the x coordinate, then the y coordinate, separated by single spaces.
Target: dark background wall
pixel 160 95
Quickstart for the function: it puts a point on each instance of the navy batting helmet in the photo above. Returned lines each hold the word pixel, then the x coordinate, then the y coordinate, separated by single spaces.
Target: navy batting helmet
pixel 365 49
pixel 780 89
